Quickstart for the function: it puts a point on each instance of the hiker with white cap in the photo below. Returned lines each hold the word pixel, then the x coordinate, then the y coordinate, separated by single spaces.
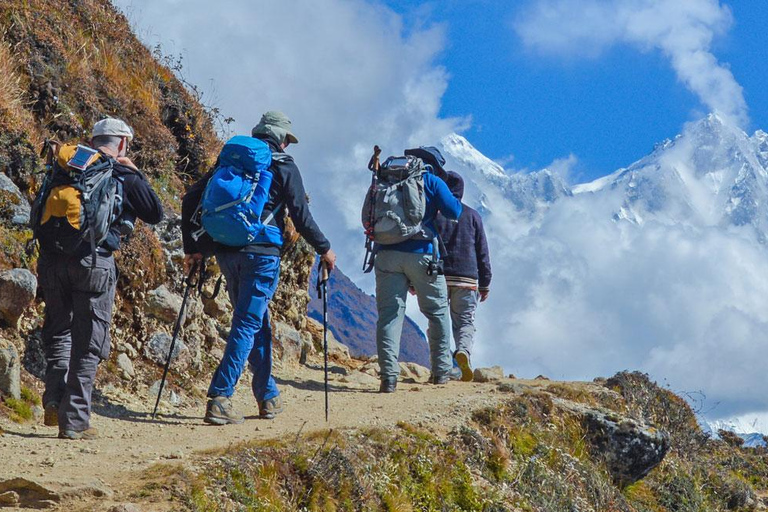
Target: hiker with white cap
pixel 251 265
pixel 88 202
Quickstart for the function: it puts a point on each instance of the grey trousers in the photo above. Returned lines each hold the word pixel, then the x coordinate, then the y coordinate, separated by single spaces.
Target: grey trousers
pixel 78 313
pixel 395 272
pixel 463 302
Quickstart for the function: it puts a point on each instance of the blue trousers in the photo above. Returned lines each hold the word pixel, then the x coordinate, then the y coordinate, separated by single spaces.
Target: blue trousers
pixel 251 283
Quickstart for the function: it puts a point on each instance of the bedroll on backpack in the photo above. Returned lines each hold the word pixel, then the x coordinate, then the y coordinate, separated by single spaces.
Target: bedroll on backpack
pixel 76 205
pixel 395 204
pixel 233 201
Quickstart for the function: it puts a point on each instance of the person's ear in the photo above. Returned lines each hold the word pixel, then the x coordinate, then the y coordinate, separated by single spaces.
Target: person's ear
pixel 123 148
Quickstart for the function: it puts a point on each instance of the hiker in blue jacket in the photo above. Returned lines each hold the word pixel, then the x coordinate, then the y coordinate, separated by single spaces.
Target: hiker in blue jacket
pixel 467 273
pixel 406 264
pixel 252 274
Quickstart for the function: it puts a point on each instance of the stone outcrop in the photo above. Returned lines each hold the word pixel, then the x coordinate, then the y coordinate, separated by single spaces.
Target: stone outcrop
pixel 17 291
pixel 163 304
pixel 491 374
pixel 158 346
pixel 10 370
pixel 629 448
pixel 13 206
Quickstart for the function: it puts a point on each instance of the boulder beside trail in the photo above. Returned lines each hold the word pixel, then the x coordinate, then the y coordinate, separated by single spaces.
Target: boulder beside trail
pixel 13 205
pixel 289 344
pixel 491 374
pixel 414 372
pixel 336 350
pixel 10 370
pixel 163 304
pixel 158 346
pixel 125 365
pixel 17 292
pixel 629 448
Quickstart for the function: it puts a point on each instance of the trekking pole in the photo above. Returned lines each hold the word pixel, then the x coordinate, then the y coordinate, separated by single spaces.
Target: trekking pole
pixel 322 289
pixel 176 328
pixel 373 166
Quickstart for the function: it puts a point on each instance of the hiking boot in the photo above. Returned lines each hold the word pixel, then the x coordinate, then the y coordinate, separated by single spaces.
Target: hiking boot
pixel 462 359
pixel 220 412
pixel 74 435
pixel 388 385
pixel 268 409
pixel 455 373
pixel 441 379
pixel 51 415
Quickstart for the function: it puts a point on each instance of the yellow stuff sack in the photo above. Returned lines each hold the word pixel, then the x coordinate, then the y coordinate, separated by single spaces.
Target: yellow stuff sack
pixel 78 201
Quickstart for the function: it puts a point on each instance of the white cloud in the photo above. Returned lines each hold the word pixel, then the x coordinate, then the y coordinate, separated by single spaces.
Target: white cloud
pixel 682 30
pixel 682 295
pixel 350 74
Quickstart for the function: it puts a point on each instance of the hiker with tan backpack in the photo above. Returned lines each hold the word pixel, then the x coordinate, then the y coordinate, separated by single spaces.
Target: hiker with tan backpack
pixel 88 201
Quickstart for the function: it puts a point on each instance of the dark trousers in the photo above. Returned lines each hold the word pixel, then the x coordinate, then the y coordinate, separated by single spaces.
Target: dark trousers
pixel 78 313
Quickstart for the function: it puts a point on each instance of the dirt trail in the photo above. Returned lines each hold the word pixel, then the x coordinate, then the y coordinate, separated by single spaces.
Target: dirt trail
pixel 131 441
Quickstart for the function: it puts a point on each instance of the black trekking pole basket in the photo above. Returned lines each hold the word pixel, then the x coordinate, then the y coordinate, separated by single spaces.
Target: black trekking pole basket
pixel 190 284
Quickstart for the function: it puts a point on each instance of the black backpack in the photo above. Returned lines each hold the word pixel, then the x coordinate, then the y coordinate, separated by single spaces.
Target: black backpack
pixel 76 205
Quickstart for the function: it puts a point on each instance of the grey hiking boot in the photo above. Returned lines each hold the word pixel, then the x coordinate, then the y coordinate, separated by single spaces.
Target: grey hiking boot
pixel 268 409
pixel 440 379
pixel 220 412
pixel 462 359
pixel 388 385
pixel 74 435
pixel 51 415
pixel 455 373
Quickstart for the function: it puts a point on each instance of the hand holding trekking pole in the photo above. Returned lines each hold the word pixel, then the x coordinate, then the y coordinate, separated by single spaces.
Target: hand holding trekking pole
pixel 329 259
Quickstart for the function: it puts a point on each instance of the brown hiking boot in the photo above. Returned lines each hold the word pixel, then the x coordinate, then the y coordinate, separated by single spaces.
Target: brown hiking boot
pixel 51 415
pixel 220 412
pixel 85 435
pixel 462 359
pixel 268 409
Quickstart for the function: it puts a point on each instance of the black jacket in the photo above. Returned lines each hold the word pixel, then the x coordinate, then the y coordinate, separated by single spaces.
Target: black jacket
pixel 464 240
pixel 139 201
pixel 287 191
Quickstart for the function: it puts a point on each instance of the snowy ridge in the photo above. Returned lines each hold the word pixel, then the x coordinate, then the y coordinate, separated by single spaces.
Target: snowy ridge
pixel 661 266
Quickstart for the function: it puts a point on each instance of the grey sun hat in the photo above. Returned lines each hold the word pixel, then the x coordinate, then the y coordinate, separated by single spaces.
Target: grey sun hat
pixel 112 126
pixel 277 124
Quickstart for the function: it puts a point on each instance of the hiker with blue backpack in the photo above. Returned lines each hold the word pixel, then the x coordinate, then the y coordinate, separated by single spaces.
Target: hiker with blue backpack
pixel 236 211
pixel 87 203
pixel 398 216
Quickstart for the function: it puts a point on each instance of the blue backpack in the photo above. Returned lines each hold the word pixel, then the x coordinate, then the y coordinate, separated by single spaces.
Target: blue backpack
pixel 234 199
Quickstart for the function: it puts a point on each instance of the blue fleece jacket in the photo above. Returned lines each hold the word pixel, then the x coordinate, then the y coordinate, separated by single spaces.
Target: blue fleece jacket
pixel 439 199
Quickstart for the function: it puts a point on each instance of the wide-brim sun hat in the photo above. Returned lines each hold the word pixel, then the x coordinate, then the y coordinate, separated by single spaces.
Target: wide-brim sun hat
pixel 113 127
pixel 277 124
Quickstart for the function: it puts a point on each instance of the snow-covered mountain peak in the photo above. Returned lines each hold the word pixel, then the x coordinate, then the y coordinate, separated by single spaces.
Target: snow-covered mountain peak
pixel 461 149
pixel 488 186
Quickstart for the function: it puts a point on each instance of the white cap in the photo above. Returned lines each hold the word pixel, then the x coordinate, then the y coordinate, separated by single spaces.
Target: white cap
pixel 112 126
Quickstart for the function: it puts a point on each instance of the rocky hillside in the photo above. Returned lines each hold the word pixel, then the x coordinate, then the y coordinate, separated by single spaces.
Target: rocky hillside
pixel 619 444
pixel 63 66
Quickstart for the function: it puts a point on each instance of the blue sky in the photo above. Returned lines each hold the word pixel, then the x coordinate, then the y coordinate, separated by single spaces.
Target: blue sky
pixel 608 110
